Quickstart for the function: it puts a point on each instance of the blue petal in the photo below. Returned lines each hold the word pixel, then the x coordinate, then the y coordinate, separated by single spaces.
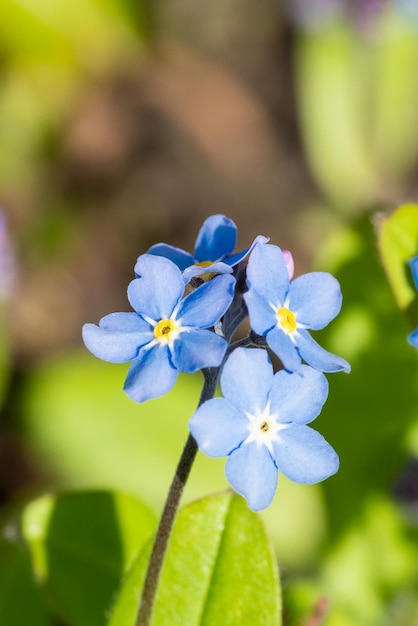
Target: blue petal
pixel 299 397
pixel 181 258
pixel 315 298
pixel 151 375
pixel 234 259
pixel 158 289
pixel 246 379
pixel 206 304
pixel 216 239
pixel 251 471
pixel 317 357
pixel 267 273
pixel 118 338
pixel 218 427
pixel 284 348
pixel 196 349
pixel 197 270
pixel 261 314
pixel 303 455
pixel 414 267
pixel 413 338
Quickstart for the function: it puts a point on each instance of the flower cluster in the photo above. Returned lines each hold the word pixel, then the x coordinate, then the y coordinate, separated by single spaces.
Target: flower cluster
pixel 413 337
pixel 186 311
pixel 168 333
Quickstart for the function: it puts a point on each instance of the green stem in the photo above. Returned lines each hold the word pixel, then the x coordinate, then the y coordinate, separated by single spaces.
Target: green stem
pixel 170 510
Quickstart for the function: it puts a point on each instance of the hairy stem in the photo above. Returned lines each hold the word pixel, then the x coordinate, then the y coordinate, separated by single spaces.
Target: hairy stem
pixel 170 509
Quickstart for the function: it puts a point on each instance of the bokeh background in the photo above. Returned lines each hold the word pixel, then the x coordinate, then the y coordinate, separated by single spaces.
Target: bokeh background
pixel 127 123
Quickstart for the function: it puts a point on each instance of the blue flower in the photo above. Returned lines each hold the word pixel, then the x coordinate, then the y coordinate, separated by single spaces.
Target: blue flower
pixel 260 425
pixel 413 337
pixel 167 334
pixel 213 249
pixel 283 311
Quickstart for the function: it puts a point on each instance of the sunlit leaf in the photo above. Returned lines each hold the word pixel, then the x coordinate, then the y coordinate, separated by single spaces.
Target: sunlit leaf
pixel 398 243
pixel 332 84
pixel 396 96
pixel 81 544
pixel 219 569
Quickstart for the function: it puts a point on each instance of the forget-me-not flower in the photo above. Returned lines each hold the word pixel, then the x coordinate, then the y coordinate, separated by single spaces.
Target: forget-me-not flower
pixel 413 337
pixel 284 311
pixel 166 334
pixel 214 246
pixel 261 426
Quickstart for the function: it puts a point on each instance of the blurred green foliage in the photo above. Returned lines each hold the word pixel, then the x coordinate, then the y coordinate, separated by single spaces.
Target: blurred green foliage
pixel 358 97
pixel 48 50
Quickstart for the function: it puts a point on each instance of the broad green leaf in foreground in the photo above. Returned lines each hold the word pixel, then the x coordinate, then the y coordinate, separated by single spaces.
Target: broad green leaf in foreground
pixel 81 545
pixel 20 601
pixel 398 243
pixel 219 569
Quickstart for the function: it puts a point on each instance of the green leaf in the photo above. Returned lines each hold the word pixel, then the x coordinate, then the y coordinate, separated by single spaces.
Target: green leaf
pixel 219 569
pixel 398 243
pixel 394 124
pixel 81 545
pixel 20 601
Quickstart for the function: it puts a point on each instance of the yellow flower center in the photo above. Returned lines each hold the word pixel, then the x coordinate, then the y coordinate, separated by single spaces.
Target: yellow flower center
pixel 287 319
pixel 205 277
pixel 166 331
pixel 264 427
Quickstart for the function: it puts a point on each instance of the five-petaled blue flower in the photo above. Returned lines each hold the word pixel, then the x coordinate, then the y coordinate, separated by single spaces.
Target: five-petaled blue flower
pixel 413 337
pixel 283 310
pixel 167 334
pixel 213 249
pixel 261 425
